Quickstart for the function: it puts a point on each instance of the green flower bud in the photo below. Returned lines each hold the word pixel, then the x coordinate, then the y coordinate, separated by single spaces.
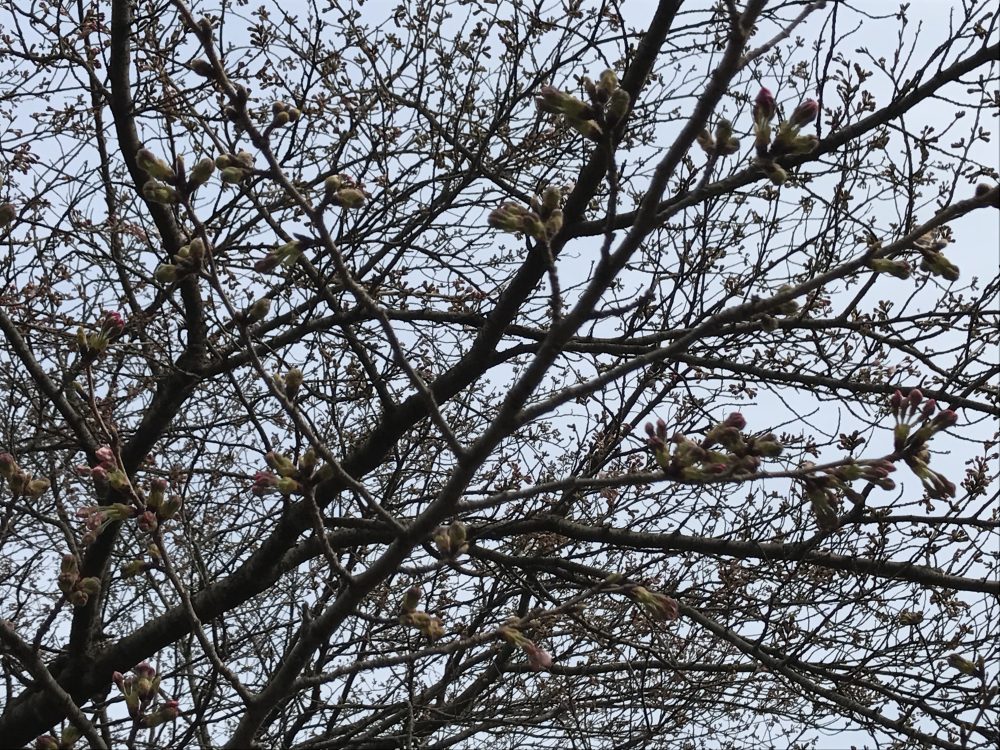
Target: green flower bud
pixel 587 128
pixel 166 273
pixel 618 106
pixel 553 224
pixel 232 175
pixel 293 380
pixel 200 173
pixel 153 166
pixel 158 193
pixel 410 599
pixel 223 160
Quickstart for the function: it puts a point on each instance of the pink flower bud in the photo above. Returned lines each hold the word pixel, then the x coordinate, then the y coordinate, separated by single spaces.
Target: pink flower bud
pixel 106 456
pixel 764 106
pixel 804 113
pixel 735 420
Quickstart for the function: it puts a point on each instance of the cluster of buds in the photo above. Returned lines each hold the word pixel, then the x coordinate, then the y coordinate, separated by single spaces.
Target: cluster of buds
pixel 285 476
pixel 787 139
pixel 65 741
pixel 541 221
pixel 656 605
pixel 824 489
pixel 932 259
pixel 431 626
pixel 234 168
pixel 169 184
pixel 538 657
pixel 92 345
pixel 289 383
pixel 152 507
pixel 96 518
pixel 452 540
pixel 186 261
pixel 609 104
pixel 910 617
pixel 159 504
pixel 699 461
pixel 917 421
pixel 723 143
pixel 140 690
pixel 21 481
pixel 7 213
pixel 341 190
pixel 78 590
pixel 284 255
pixel 282 114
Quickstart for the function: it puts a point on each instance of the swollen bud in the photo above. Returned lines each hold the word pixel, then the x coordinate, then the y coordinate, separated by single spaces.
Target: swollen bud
pixel 154 167
pixel 202 67
pixel 7 213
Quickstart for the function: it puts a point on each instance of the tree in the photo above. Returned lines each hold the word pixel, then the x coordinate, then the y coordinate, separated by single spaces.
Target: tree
pixel 481 374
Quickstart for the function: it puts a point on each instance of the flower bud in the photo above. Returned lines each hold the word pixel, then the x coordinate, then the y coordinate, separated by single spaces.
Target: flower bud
pixel 293 381
pixel 8 466
pixel 167 712
pixel 288 486
pixel 147 522
pixel 553 224
pixel 232 175
pixel 153 166
pixel 166 273
pixel 171 506
pixel 764 106
pixel 202 67
pixel 37 487
pixel 618 106
pixel 91 585
pixel 706 141
pixel 46 742
pixel 7 213
pixel 804 113
pixel 156 192
pixel 410 599
pixel 200 173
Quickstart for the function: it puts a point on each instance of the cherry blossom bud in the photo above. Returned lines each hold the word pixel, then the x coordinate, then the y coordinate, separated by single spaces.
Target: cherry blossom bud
pixel 166 273
pixel 8 466
pixel 202 67
pixel 167 712
pixel 293 381
pixel 200 173
pixel 410 599
pixel 736 420
pixel 46 742
pixel 618 106
pixel 764 106
pixel 232 175
pixel 153 166
pixel 804 113
pixel 147 522
pixel 538 658
pixel 171 506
